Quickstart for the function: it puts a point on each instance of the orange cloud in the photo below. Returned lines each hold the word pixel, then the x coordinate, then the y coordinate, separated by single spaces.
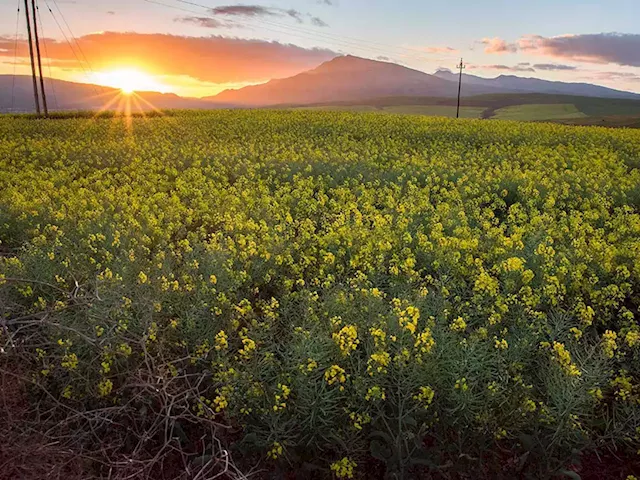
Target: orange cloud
pixel 214 59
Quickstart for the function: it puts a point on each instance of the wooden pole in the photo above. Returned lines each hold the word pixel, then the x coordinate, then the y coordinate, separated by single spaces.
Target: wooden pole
pixel 33 65
pixel 461 67
pixel 35 31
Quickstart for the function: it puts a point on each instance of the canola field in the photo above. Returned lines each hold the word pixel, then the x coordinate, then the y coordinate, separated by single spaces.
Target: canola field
pixel 334 294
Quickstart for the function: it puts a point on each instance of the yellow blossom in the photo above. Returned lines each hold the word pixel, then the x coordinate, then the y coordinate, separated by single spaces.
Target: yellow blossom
pixel 425 396
pixel 375 393
pixel 105 387
pixel 609 345
pixel 359 420
pixel 335 374
pixel 378 362
pixel 347 339
pixel 562 356
pixel 344 468
pixel 221 341
pixel 275 451
pixel 462 385
pixel 69 361
pixel 632 338
pixel 458 325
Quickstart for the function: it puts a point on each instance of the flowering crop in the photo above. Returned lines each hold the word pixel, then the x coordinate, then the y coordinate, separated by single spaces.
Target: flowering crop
pixel 328 286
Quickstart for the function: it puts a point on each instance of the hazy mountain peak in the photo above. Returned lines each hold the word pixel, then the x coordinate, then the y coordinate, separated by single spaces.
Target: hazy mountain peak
pixel 350 63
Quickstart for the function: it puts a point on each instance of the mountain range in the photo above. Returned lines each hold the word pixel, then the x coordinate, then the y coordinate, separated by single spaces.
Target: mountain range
pixel 345 78
pixel 351 78
pixel 16 94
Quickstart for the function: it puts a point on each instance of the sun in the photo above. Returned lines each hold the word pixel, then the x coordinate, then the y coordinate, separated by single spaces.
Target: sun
pixel 129 80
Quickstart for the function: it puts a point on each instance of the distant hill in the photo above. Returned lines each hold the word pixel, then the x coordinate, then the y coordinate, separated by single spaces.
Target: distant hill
pixel 351 78
pixel 62 95
pixel 344 79
pixel 615 112
pixel 512 83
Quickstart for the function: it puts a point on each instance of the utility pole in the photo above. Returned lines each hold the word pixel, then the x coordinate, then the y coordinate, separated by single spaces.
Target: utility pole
pixel 33 65
pixel 35 31
pixel 461 67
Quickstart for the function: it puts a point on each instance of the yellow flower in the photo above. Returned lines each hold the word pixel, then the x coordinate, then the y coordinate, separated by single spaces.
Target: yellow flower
pixel 281 397
pixel 124 349
pixel 462 385
pixel 596 393
pixel 276 451
pixel 221 341
pixel 105 387
pixel 344 468
pixel 501 344
pixel 359 420
pixel 458 325
pixel 142 278
pixel 310 366
pixel 513 264
pixel 609 345
pixel 375 393
pixel 632 338
pixel 152 334
pixel 379 337
pixel 378 363
pixel 347 339
pixel 408 318
pixel 424 396
pixel 577 333
pixel 424 341
pixel 335 374
pixel 500 434
pixel 529 405
pixel 67 392
pixel 221 401
pixel 248 346
pixel 623 386
pixel 562 356
pixel 69 361
pixel 486 284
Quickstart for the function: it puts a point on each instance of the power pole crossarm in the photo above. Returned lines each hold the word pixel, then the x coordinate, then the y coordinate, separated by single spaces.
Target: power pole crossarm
pixel 33 65
pixel 461 67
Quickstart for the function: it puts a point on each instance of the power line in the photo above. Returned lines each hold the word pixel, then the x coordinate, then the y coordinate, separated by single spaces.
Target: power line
pixel 46 54
pixel 249 25
pixel 15 60
pixel 302 32
pixel 358 41
pixel 55 2
pixel 70 46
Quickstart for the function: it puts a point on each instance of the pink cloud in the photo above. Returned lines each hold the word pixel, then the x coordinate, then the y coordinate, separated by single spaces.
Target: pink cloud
pixel 498 46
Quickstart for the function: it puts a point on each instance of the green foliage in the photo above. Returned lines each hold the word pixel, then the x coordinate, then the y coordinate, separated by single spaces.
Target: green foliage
pixel 539 112
pixel 441 295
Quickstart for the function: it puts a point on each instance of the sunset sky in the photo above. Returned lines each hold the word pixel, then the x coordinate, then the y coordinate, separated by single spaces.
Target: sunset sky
pixel 200 47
